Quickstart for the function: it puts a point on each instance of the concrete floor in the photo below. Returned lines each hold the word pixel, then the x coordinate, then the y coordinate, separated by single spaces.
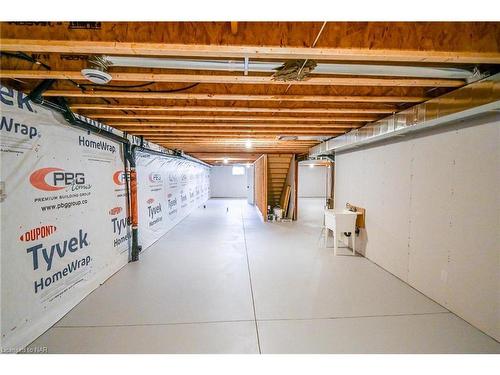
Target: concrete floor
pixel 222 281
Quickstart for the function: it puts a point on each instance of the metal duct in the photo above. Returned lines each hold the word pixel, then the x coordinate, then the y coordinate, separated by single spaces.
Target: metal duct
pixel 165 63
pixel 271 66
pixel 469 101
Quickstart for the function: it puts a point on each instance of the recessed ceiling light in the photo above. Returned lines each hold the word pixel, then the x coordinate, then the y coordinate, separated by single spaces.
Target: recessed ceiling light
pixel 225 161
pixel 248 143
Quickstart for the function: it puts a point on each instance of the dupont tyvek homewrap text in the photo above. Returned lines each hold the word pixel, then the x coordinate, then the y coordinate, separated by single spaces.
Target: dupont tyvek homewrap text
pixel 168 190
pixel 64 227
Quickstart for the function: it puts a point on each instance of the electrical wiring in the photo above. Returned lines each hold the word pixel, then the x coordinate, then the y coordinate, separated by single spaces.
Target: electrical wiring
pixel 155 91
pixel 25 57
pixel 85 86
pixel 117 86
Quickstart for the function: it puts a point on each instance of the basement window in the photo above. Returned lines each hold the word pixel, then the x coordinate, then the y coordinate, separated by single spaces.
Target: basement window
pixel 238 171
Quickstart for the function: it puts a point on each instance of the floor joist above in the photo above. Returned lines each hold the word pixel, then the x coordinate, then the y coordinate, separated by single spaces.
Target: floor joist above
pixel 242 51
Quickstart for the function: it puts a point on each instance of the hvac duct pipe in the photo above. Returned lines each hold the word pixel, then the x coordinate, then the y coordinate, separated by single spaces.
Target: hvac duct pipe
pixel 246 66
pixel 468 101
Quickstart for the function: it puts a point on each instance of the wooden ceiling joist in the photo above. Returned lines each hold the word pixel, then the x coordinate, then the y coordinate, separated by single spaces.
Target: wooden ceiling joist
pixel 263 150
pixel 229 139
pixel 233 97
pixel 121 107
pixel 223 151
pixel 221 125
pixel 244 137
pixel 242 132
pixel 127 117
pixel 227 109
pixel 231 142
pixel 242 51
pixel 228 151
pixel 268 150
pixel 233 148
pixel 217 156
pixel 238 141
pixel 234 145
pixel 235 79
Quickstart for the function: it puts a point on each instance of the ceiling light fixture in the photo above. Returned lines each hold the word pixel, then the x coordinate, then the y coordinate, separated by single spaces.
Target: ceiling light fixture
pixel 97 70
pixel 248 143
pixel 225 161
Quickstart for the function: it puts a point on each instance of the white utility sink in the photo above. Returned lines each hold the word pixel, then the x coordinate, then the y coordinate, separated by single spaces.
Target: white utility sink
pixel 340 220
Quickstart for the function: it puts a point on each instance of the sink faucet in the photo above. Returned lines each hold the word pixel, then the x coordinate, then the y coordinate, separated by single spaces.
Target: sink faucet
pixel 350 207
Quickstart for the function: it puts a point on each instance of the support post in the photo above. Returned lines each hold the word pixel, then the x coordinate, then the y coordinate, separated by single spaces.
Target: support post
pixel 136 249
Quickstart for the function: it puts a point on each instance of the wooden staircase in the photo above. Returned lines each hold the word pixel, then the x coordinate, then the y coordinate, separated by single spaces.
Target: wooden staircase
pixel 277 170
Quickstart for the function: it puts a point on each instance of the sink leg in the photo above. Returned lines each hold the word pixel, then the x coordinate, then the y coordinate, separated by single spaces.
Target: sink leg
pixel 353 236
pixel 335 243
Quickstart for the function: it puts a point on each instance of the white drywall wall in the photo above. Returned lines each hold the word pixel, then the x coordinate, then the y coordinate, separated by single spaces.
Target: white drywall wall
pixel 312 181
pixel 432 214
pixel 224 185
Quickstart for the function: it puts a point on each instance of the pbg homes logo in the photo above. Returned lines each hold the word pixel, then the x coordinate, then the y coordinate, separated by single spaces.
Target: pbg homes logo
pixel 53 179
pixel 37 233
pixel 120 177
pixel 154 177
